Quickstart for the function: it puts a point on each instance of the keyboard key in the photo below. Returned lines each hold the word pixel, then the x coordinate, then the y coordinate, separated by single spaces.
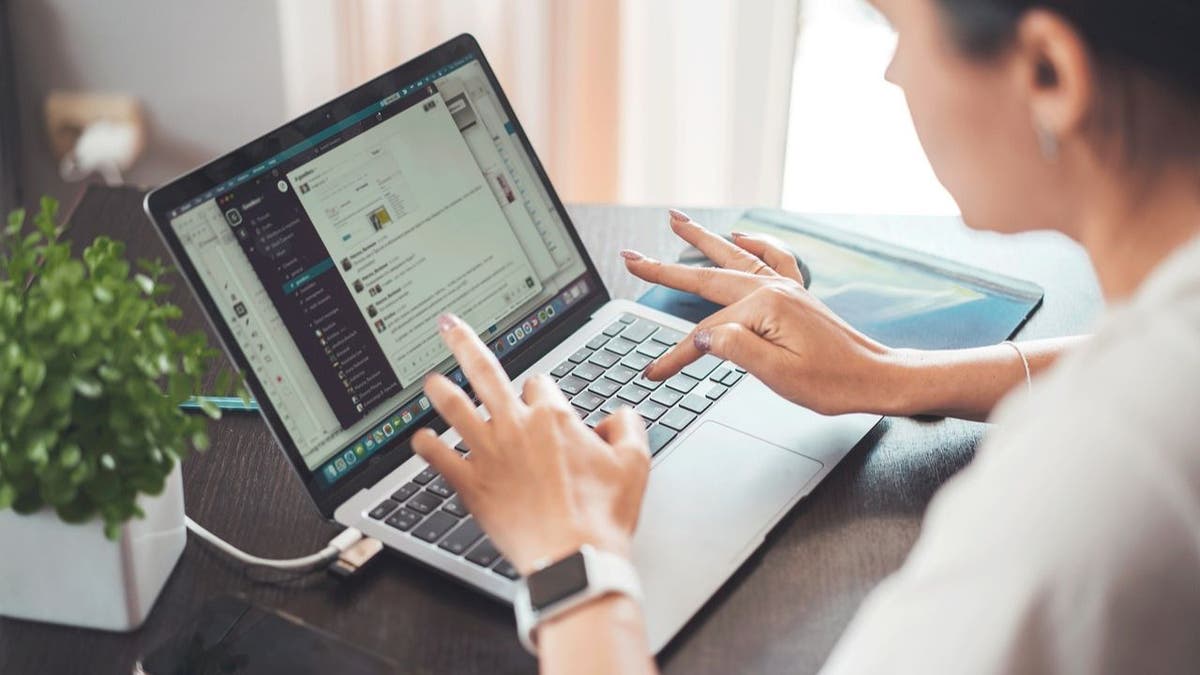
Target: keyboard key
pixel 732 378
pixel 659 436
pixel 720 373
pixel 633 393
pixel 505 569
pixel 739 368
pixel 621 374
pixel 597 342
pixel 666 396
pixel 682 383
pixel 434 527
pixel 614 329
pixel 462 538
pixel 595 418
pixel 484 553
pixel 627 318
pixel 588 401
pixel 425 476
pixel 604 359
pixel 385 507
pixel 605 387
pixel 650 410
pixel 677 419
pixel 639 331
pixel 636 361
pixel 462 447
pixel 716 391
pixel 580 356
pixel 454 507
pixel 562 370
pixel 407 490
pixel 441 488
pixel 612 405
pixel 572 385
pixel 404 519
pixel 642 382
pixel 580 412
pixel 425 502
pixel 694 403
pixel 588 371
pixel 701 367
pixel 667 336
pixel 652 349
pixel 620 346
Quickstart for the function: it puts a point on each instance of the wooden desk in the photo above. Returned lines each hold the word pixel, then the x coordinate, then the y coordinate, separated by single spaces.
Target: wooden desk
pixel 782 612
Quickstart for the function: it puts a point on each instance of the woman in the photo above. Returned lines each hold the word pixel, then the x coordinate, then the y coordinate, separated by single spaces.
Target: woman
pixel 1072 542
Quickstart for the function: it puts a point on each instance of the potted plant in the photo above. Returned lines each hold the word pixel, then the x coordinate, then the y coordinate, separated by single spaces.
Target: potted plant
pixel 91 433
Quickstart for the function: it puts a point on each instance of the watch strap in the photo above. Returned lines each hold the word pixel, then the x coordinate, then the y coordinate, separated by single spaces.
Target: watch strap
pixel 606 573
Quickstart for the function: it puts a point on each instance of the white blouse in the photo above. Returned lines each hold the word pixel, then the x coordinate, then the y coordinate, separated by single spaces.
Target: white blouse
pixel 1071 544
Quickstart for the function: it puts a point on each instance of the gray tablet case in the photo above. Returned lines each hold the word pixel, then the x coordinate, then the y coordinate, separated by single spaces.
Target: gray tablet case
pixel 900 297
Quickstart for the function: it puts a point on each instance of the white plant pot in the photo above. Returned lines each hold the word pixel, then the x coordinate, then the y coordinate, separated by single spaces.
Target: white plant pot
pixel 72 574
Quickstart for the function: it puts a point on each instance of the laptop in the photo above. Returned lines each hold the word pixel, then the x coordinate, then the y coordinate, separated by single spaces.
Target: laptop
pixel 322 253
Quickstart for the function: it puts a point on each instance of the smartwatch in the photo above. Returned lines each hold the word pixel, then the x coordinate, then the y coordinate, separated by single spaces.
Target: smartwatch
pixel 557 588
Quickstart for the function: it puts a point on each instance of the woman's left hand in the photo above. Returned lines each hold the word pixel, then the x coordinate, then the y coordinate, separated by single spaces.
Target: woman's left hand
pixel 538 480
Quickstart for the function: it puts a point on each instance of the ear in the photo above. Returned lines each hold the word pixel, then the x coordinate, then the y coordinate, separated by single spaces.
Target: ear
pixel 1055 69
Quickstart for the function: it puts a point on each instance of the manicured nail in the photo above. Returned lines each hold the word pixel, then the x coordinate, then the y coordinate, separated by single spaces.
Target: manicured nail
pixel 703 340
pixel 738 235
pixel 649 367
pixel 631 255
pixel 678 215
pixel 447 322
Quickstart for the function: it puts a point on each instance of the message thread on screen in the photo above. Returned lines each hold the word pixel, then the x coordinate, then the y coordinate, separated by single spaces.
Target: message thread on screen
pixel 332 266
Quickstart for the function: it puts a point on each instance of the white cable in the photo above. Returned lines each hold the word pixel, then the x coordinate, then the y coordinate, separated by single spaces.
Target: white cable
pixel 335 546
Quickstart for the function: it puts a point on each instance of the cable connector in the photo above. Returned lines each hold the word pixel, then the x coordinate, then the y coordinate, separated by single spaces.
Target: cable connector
pixel 355 557
pixel 336 547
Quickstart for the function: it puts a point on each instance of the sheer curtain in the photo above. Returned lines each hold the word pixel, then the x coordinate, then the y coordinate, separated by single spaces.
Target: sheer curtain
pixel 663 102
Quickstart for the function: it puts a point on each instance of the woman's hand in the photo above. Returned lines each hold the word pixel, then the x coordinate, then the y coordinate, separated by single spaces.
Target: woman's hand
pixel 772 326
pixel 538 480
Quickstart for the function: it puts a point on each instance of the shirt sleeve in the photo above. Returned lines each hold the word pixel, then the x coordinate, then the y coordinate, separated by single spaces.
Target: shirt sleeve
pixel 1072 543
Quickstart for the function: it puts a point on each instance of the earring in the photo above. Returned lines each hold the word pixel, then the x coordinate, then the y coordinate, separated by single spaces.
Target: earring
pixel 1047 141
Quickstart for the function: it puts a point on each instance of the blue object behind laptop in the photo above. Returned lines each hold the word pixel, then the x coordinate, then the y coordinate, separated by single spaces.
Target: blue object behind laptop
pixel 900 297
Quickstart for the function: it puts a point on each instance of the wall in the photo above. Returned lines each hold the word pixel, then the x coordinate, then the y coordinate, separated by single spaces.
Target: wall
pixel 209 74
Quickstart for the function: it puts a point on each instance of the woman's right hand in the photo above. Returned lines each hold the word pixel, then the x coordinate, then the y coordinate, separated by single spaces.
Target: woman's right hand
pixel 772 326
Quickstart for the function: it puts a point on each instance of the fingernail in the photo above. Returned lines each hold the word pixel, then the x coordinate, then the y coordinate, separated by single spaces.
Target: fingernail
pixel 648 368
pixel 631 255
pixel 703 340
pixel 678 215
pixel 446 322
pixel 738 235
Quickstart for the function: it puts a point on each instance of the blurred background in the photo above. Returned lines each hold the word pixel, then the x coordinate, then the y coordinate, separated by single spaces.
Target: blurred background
pixel 662 102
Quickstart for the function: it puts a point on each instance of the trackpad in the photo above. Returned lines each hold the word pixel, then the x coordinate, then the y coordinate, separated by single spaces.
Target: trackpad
pixel 707 501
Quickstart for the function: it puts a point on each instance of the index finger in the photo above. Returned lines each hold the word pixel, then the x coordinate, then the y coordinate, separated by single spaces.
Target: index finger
pixel 722 252
pixel 686 350
pixel 721 286
pixel 483 371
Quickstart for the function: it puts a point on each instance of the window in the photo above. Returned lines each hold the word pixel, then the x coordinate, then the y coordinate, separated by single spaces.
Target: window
pixel 851 145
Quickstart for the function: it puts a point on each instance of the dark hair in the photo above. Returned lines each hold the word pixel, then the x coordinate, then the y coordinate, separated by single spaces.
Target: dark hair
pixel 1144 48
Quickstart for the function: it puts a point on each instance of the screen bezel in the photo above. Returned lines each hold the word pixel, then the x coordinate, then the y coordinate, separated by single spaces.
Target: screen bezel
pixel 160 202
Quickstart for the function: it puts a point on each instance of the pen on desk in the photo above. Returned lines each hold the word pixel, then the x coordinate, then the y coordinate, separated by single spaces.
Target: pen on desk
pixel 223 403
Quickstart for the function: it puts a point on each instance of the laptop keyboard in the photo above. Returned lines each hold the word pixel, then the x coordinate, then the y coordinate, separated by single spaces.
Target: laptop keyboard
pixel 599 378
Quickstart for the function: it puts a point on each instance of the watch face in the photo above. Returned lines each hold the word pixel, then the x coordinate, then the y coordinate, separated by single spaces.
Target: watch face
pixel 556 582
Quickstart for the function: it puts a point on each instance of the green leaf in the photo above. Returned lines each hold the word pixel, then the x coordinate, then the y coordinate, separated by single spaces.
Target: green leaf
pixel 209 408
pixel 16 220
pixel 8 494
pixel 88 387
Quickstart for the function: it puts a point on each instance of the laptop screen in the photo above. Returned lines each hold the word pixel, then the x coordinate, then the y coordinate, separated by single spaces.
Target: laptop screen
pixel 331 260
